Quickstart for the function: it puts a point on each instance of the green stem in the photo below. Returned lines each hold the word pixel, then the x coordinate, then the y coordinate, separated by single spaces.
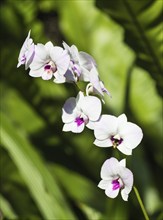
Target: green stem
pixel 141 203
pixel 78 88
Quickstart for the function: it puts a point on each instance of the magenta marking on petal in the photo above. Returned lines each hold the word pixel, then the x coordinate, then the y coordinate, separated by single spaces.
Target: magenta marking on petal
pixel 76 69
pixel 116 141
pixel 116 184
pixel 120 141
pixel 47 67
pixel 106 91
pixel 23 58
pixel 79 121
pixel 50 68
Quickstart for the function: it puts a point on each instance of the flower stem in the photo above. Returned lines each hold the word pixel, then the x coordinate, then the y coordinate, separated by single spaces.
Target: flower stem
pixel 78 87
pixel 141 203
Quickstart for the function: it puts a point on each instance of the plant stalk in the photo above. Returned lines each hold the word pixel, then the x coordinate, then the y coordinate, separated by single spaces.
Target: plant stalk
pixel 141 203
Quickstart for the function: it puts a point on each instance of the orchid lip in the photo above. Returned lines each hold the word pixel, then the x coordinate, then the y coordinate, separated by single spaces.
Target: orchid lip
pixel 116 141
pixel 50 68
pixel 47 67
pixel 79 121
pixel 116 184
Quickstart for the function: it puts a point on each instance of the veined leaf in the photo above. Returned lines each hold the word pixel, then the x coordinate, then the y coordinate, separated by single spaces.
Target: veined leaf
pixel 39 181
pixel 141 21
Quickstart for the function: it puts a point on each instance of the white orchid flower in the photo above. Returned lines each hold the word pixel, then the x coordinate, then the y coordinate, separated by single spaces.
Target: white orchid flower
pixel 50 61
pixel 116 177
pixel 27 52
pixel 80 64
pixel 117 132
pixel 96 86
pixel 80 112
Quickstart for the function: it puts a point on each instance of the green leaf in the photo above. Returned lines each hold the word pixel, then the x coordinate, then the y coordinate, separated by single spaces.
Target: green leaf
pixel 6 209
pixel 39 181
pixel 141 21
pixel 90 213
pixel 84 192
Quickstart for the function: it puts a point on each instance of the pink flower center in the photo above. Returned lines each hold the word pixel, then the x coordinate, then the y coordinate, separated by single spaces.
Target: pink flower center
pixel 79 121
pixel 116 184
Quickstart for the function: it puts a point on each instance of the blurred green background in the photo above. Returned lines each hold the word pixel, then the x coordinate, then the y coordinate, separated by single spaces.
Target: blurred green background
pixel 50 175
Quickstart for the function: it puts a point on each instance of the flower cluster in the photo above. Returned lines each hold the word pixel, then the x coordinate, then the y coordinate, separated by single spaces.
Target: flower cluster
pixel 67 64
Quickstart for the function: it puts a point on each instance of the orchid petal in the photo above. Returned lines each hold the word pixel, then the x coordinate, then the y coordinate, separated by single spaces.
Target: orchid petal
pixel 103 184
pixel 66 46
pixel 74 53
pixel 63 63
pixel 94 80
pixel 110 168
pixel 68 110
pixel 73 127
pixel 24 47
pixel 41 57
pixel 131 134
pixel 79 98
pixel 84 76
pixel 88 104
pixel 41 52
pixel 122 163
pixel 124 195
pixel 124 149
pixel 69 76
pixel 103 143
pixel 104 89
pixel 110 192
pixel 36 73
pixel 30 56
pixel 49 46
pixel 61 58
pixel 105 127
pixel 77 129
pixel 56 53
pixel 46 76
pixel 59 78
pixel 122 119
pixel 127 177
pixel 86 60
pixel 26 52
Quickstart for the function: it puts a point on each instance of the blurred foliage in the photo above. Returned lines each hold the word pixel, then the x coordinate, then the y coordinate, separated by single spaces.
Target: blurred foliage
pixel 142 23
pixel 48 174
